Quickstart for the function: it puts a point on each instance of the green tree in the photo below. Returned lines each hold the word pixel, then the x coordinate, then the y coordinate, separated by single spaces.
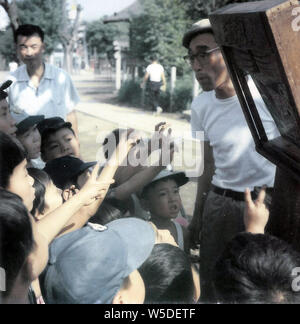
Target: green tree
pixel 197 9
pixel 46 14
pixel 7 46
pixel 100 37
pixel 159 31
pixel 12 12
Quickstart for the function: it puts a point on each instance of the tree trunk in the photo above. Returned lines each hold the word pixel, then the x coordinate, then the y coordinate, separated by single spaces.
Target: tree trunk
pixel 68 58
pixel 12 12
pixel 69 38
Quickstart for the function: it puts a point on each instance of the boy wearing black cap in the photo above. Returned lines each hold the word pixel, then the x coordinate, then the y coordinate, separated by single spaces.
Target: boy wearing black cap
pixel 69 170
pixel 29 137
pixel 58 139
pixel 7 123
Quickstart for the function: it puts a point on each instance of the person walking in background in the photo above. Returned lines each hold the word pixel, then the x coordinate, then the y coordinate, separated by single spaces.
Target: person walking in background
pixel 155 73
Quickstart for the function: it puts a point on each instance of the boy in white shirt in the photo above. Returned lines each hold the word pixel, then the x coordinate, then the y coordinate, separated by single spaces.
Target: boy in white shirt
pixel 155 73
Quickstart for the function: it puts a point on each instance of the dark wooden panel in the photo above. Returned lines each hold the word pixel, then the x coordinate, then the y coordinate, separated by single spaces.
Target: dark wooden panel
pixel 257 39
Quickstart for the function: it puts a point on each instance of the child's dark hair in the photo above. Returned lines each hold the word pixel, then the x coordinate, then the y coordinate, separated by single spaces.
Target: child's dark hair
pixel 146 189
pixel 256 269
pixel 41 181
pixel 16 237
pixel 29 30
pixel 107 212
pixel 168 276
pixel 11 155
pixel 113 137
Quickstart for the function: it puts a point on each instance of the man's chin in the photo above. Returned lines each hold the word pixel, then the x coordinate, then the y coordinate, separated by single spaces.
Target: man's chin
pixel 207 88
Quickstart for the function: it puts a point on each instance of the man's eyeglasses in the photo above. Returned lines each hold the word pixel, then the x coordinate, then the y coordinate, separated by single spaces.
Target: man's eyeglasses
pixel 200 57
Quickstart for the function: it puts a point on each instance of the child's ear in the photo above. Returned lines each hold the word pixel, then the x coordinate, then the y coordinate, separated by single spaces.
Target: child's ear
pixel 66 194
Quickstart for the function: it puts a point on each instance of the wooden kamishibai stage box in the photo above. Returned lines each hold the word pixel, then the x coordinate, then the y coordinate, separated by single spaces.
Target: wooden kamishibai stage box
pixel 262 39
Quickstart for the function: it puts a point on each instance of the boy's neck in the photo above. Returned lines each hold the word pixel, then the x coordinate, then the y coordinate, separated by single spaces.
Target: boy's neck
pixel 161 223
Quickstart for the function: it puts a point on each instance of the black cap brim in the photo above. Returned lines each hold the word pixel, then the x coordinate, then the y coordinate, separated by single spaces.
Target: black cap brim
pixel 4 86
pixel 29 122
pixel 53 128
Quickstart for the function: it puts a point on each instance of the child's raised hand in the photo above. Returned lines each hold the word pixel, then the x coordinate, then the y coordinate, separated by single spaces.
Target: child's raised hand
pixel 94 189
pixel 159 138
pixel 256 214
pixel 128 140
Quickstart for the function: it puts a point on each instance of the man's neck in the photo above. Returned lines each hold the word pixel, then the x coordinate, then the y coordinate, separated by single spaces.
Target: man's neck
pixel 225 90
pixel 36 71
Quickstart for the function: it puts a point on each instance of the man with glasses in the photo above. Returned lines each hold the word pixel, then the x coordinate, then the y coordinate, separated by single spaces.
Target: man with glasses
pixel 231 163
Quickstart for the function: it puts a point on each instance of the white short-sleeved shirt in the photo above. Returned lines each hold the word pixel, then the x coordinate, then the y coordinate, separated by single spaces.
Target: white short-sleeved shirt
pixel 155 71
pixel 56 95
pixel 238 165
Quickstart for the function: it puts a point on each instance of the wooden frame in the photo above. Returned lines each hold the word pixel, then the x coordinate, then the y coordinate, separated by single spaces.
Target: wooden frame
pixel 257 39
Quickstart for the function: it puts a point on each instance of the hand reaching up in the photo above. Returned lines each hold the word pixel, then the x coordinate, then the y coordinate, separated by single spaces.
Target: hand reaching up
pixel 128 140
pixel 94 188
pixel 256 214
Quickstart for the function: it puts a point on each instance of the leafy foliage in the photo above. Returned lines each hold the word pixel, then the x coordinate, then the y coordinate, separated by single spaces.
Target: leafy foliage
pixel 46 14
pixel 7 48
pixel 159 31
pixel 131 94
pixel 100 36
pixel 197 9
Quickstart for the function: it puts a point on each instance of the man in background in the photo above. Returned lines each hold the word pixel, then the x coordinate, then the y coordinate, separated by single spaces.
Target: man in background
pixel 155 73
pixel 39 88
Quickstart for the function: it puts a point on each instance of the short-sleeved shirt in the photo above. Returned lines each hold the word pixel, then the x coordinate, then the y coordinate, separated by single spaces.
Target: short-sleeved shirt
pixel 155 71
pixel 56 95
pixel 238 165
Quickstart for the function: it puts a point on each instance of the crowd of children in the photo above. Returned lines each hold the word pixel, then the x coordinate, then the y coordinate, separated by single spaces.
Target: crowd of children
pixel 58 212
pixel 71 233
pixel 77 232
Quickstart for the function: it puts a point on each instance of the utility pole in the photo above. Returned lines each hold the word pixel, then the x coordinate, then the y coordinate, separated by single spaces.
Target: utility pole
pixel 118 58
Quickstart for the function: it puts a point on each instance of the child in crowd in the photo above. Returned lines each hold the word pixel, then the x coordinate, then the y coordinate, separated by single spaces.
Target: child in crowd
pixel 47 196
pixel 108 277
pixel 7 123
pixel 14 178
pixel 30 138
pixel 168 277
pixel 19 249
pixel 256 268
pixel 58 139
pixel 68 171
pixel 135 171
pixel 161 198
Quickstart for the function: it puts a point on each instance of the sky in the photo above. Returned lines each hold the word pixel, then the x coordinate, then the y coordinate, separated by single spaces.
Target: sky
pixel 93 9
